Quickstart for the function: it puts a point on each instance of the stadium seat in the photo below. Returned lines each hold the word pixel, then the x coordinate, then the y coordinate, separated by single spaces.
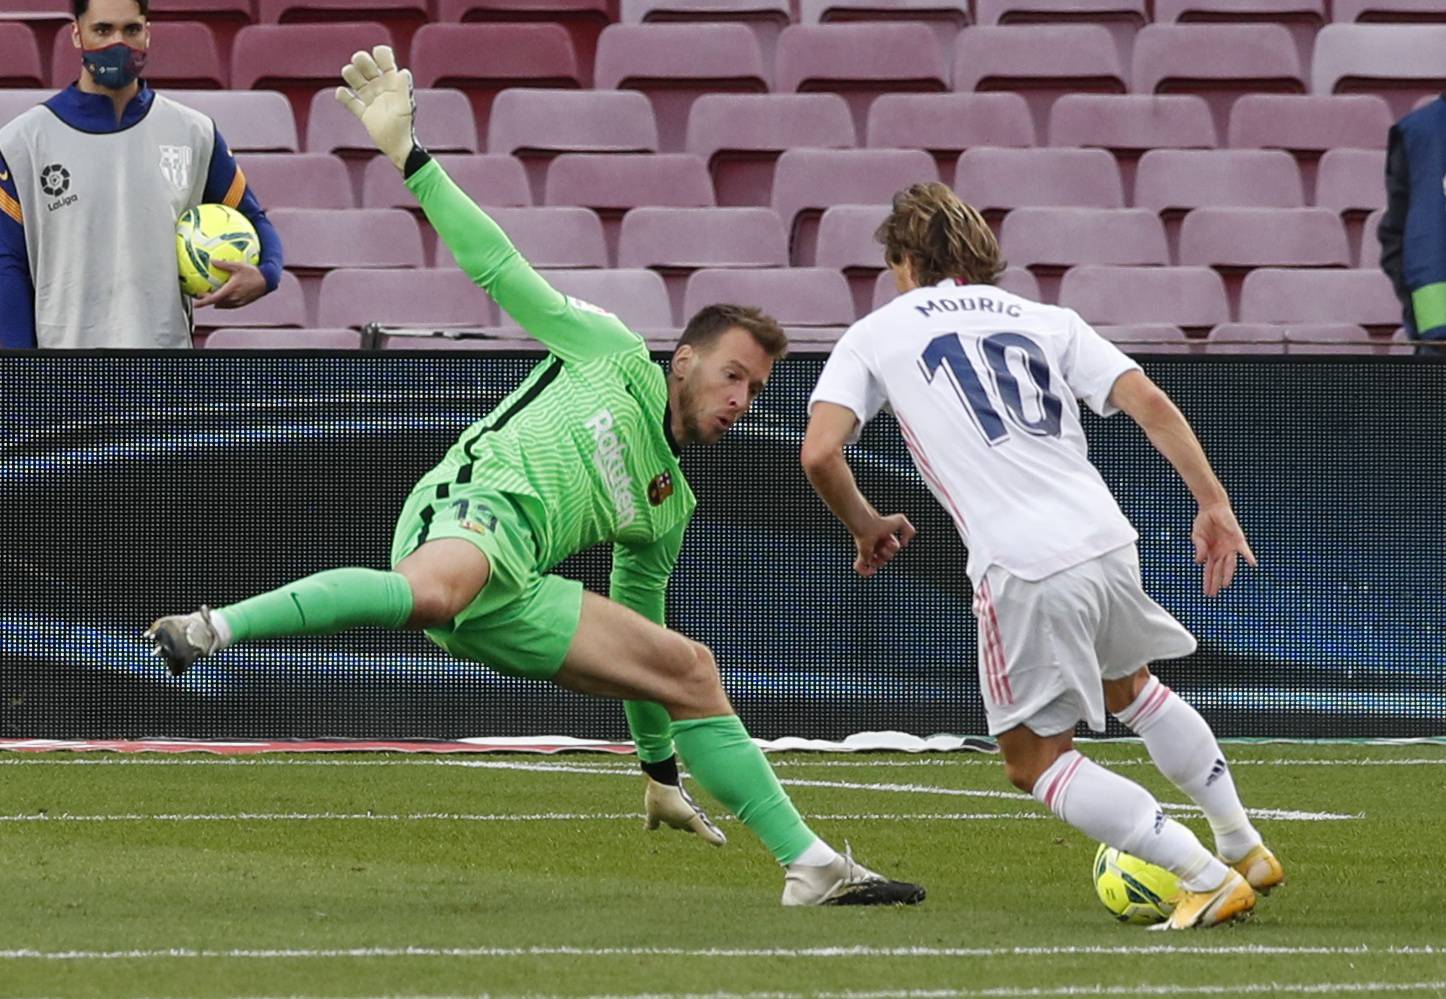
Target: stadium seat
pixel 506 340
pixel 182 54
pixel 740 137
pixel 948 124
pixel 1041 61
pixel 1188 297
pixel 491 181
pixel 484 59
pixel 297 180
pixel 1145 339
pixel 1370 255
pixel 318 240
pixel 401 17
pixel 14 103
pixel 286 306
pixel 677 241
pixel 610 184
pixel 1128 125
pixel 583 20
pixel 1263 237
pixel 1290 295
pixel 1401 62
pixel 637 297
pixel 1175 181
pixel 1246 338
pixel 859 62
pixel 997 180
pixel 1302 18
pixel 1353 183
pixel 224 17
pixel 273 338
pixel 1015 280
pixel 766 18
pixel 807 181
pixel 675 63
pixel 299 59
pixel 536 125
pixel 252 121
pixel 1218 61
pixel 442 298
pixel 1331 338
pixel 795 296
pixel 20 56
pixel 1050 240
pixel 1122 18
pixel 566 237
pixel 1308 125
pixel 846 243
pixel 1387 11
pixel 945 17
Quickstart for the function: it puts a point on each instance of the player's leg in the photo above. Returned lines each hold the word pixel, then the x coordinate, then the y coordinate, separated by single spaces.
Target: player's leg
pixel 618 653
pixel 1185 750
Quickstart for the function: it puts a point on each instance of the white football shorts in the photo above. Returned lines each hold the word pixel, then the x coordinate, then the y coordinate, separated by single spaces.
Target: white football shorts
pixel 1046 645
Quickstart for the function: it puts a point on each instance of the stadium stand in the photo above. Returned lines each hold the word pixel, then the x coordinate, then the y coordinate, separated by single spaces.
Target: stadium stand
pixel 611 184
pixel 253 121
pixel 401 17
pixel 1307 126
pixel 635 296
pixel 1049 241
pixel 298 180
pixel 944 17
pixel 1148 338
pixel 948 124
pixel 1039 61
pixel 19 56
pixel 1350 181
pixel 1246 338
pixel 583 20
pixel 1400 62
pixel 1192 298
pixel 1302 18
pixel 318 240
pixel 443 298
pixel 1370 255
pixel 1378 11
pixel 182 54
pixel 1122 18
pixel 846 243
pixel 286 306
pixel 1175 181
pixel 231 338
pixel 997 180
pixel 561 237
pixel 765 18
pixel 1016 280
pixel 300 59
pixel 798 297
pixel 1290 295
pixel 1130 125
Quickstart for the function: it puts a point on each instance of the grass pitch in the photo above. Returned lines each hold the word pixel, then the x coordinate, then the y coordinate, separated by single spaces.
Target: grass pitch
pixel 400 876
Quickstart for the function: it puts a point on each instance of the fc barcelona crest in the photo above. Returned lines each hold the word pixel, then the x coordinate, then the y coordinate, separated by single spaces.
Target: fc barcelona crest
pixel 660 489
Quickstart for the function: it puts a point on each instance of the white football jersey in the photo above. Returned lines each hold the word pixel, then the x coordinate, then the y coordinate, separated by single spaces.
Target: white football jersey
pixel 985 387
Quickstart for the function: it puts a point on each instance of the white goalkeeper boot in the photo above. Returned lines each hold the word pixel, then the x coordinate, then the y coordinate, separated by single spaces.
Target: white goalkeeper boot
pixel 670 805
pixel 181 639
pixel 845 882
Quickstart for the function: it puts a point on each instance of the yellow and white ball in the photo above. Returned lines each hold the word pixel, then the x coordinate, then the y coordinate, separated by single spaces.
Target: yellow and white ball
pixel 206 234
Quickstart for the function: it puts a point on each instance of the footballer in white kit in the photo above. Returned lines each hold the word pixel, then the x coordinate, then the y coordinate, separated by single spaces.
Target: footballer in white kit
pixel 986 388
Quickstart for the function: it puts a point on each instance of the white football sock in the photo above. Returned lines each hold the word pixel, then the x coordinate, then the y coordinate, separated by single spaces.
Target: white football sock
pixel 1184 750
pixel 819 854
pixel 1109 808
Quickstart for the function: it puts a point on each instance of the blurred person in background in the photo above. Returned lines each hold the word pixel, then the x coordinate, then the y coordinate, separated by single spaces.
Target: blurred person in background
pixel 91 185
pixel 1413 230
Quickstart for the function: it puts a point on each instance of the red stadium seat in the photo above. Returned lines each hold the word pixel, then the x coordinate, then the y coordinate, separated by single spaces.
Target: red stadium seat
pixel 537 125
pixel 1302 18
pixel 1218 61
pixel 443 298
pixel 286 306
pixel 637 297
pixel 401 17
pixel 297 180
pixel 676 63
pixel 1370 255
pixel 677 241
pixel 252 121
pixel 491 181
pixel 182 54
pixel 318 240
pixel 1307 126
pixel 1188 297
pixel 565 237
pixel 795 296
pixel 270 339
pixel 1128 125
pixel 299 59
pixel 1263 237
pixel 766 18
pixel 583 20
pixel 945 17
pixel 1148 338
pixel 14 103
pixel 610 184
pixel 859 62
pixel 224 17
pixel 1352 182
pixel 740 137
pixel 20 56
pixel 846 243
pixel 1246 338
pixel 1175 181
pixel 1015 280
pixel 1040 61
pixel 1122 18
pixel 948 124
pixel 1387 11
pixel 1401 62
pixel 1332 338
pixel 997 180
pixel 807 181
pixel 1050 240
pixel 1290 295
pixel 484 59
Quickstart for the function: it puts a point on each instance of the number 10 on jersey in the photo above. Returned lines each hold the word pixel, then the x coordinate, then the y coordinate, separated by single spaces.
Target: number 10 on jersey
pixel 984 401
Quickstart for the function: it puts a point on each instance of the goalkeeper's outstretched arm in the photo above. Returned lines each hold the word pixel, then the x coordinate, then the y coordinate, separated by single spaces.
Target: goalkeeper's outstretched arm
pixel 381 96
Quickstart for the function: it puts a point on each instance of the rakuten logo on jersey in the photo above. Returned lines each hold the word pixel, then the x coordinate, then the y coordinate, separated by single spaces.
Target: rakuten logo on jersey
pixel 609 461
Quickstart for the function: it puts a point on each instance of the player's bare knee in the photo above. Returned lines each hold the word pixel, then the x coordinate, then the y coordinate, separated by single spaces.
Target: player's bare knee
pixel 1022 774
pixel 1121 693
pixel 433 603
pixel 699 688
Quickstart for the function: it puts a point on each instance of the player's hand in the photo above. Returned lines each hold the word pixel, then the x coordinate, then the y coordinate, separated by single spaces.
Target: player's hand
pixel 1219 542
pixel 878 543
pixel 245 285
pixel 381 97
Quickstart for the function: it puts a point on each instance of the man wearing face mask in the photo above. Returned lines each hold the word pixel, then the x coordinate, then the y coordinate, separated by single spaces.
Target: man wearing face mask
pixel 91 185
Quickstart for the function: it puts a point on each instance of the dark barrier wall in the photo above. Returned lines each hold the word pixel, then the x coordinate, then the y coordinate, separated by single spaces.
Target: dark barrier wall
pixel 139 485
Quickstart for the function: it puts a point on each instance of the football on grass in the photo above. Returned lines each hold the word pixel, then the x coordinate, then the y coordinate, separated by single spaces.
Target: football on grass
pixel 1133 890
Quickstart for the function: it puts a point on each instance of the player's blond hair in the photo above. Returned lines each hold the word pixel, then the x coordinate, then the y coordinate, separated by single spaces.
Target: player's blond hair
pixel 942 235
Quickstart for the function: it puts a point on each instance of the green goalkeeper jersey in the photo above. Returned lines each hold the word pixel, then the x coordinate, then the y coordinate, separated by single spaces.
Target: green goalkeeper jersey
pixel 586 434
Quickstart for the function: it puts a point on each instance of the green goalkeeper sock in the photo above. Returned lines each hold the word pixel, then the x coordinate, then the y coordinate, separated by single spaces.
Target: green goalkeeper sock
pixel 724 760
pixel 652 730
pixel 321 604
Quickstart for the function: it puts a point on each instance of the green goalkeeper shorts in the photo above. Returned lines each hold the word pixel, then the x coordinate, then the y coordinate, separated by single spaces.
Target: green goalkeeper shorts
pixel 523 621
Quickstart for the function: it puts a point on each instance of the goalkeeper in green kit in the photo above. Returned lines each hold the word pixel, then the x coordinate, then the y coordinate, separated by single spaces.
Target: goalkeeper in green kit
pixel 584 450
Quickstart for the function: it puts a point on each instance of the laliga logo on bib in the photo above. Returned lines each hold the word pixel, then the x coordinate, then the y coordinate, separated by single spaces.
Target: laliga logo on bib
pixel 176 165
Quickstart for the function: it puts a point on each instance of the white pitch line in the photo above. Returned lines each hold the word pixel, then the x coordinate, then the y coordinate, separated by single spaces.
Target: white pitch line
pixel 492 817
pixel 970 761
pixel 1024 992
pixel 807 953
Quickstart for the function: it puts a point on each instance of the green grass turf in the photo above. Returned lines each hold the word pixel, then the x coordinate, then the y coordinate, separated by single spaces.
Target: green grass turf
pixel 1365 901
